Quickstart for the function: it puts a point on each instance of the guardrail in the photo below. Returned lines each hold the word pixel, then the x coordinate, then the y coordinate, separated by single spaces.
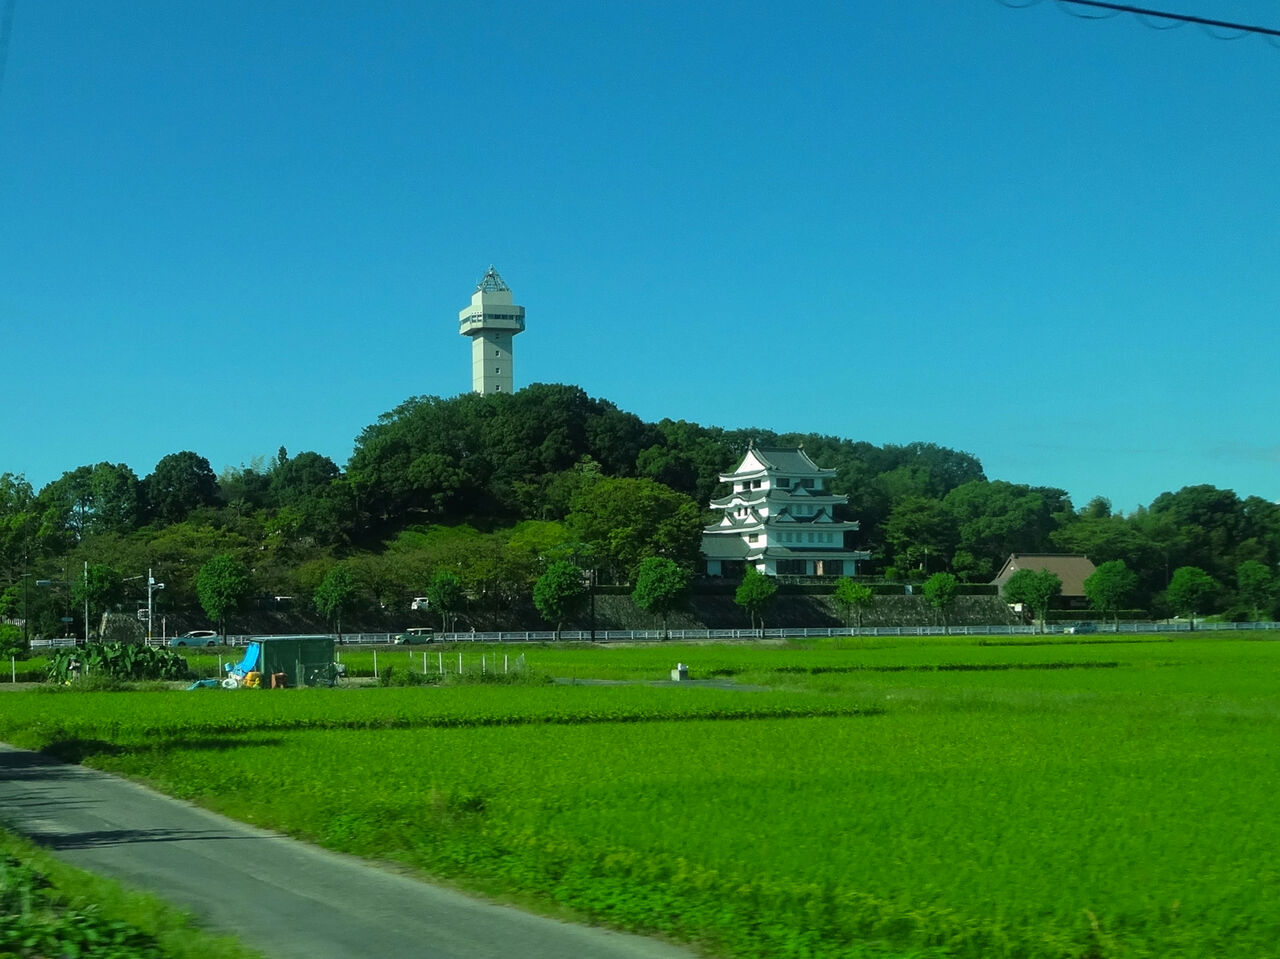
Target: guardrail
pixel 744 635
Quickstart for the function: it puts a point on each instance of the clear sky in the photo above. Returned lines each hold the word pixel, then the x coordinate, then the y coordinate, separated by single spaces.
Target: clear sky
pixel 1049 242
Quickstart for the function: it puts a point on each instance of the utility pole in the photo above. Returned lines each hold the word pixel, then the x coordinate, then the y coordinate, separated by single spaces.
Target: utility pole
pixel 86 602
pixel 152 586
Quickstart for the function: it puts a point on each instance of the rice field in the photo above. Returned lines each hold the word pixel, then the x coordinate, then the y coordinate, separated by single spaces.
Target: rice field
pixel 900 798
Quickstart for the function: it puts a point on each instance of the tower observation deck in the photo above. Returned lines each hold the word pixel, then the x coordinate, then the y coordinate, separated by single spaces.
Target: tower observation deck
pixel 492 321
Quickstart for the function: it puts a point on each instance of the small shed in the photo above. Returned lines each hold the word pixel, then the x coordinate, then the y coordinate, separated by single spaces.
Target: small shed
pixel 299 657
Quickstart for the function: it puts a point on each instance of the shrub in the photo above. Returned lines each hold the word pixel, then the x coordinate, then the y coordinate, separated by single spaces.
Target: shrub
pixel 119 661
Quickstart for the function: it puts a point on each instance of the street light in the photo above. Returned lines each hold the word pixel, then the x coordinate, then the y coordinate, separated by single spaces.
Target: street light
pixel 152 586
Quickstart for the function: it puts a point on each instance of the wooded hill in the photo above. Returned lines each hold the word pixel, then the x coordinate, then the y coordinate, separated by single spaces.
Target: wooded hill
pixel 493 488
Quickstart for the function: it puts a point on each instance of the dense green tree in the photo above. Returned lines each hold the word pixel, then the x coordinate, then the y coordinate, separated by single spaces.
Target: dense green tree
pixel 1097 508
pixel 336 596
pixel 1255 587
pixel 302 476
pixel 447 597
pixel 222 586
pixel 918 530
pixel 560 593
pixel 1212 529
pixel 19 527
pixel 97 588
pixel 940 591
pixel 541 540
pixel 1109 587
pixel 104 498
pixel 1107 538
pixel 1191 591
pixel 180 483
pixel 688 458
pixel 853 599
pixel 117 499
pixel 625 520
pixel 550 497
pixel 970 568
pixel 246 488
pixel 661 587
pixel 756 594
pixel 995 519
pixel 1036 589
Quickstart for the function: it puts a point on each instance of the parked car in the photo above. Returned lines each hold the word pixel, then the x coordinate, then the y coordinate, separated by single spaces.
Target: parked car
pixel 196 637
pixel 420 603
pixel 1080 628
pixel 415 635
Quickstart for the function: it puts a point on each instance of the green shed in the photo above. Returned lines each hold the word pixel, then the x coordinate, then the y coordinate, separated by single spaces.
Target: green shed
pixel 306 660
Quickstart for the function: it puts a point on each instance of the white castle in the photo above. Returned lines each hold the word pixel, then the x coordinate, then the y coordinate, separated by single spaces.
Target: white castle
pixel 779 517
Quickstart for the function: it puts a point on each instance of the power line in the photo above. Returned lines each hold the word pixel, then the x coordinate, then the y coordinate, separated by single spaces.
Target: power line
pixel 1176 19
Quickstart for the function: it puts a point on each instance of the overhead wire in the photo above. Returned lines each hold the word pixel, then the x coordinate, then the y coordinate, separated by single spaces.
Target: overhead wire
pixel 1164 20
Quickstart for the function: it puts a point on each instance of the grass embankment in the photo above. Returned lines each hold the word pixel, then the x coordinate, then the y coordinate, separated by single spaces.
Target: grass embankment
pixel 922 798
pixel 48 908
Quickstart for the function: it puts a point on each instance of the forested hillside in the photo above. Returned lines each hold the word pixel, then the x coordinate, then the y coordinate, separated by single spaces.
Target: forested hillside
pixel 479 495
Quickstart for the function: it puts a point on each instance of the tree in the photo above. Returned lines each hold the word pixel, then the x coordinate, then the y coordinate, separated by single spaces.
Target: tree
pixel 559 593
pixel 180 483
pixel 221 586
pixel 336 595
pixel 1256 586
pixel 305 475
pixel 661 586
pixel 625 520
pixel 1109 587
pixel 1190 591
pixel 917 527
pixel 19 524
pixel 853 599
pixel 1035 588
pixel 940 591
pixel 756 594
pixel 98 588
pixel 997 518
pixel 446 596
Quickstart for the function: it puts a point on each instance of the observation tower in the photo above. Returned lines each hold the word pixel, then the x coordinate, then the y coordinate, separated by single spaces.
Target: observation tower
pixel 492 321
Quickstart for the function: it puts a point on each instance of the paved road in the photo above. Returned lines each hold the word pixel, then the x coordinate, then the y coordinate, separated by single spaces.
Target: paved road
pixel 282 897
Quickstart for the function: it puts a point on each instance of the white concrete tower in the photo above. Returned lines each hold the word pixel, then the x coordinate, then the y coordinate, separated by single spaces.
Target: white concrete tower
pixel 491 321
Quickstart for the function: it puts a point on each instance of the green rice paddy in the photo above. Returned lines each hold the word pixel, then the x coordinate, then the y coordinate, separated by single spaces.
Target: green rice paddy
pixel 898 798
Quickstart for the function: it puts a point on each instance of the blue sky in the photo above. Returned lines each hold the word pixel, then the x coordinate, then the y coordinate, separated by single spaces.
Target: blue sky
pixel 1046 241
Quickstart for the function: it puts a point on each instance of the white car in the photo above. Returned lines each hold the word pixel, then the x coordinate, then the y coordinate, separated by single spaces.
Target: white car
pixel 419 603
pixel 415 635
